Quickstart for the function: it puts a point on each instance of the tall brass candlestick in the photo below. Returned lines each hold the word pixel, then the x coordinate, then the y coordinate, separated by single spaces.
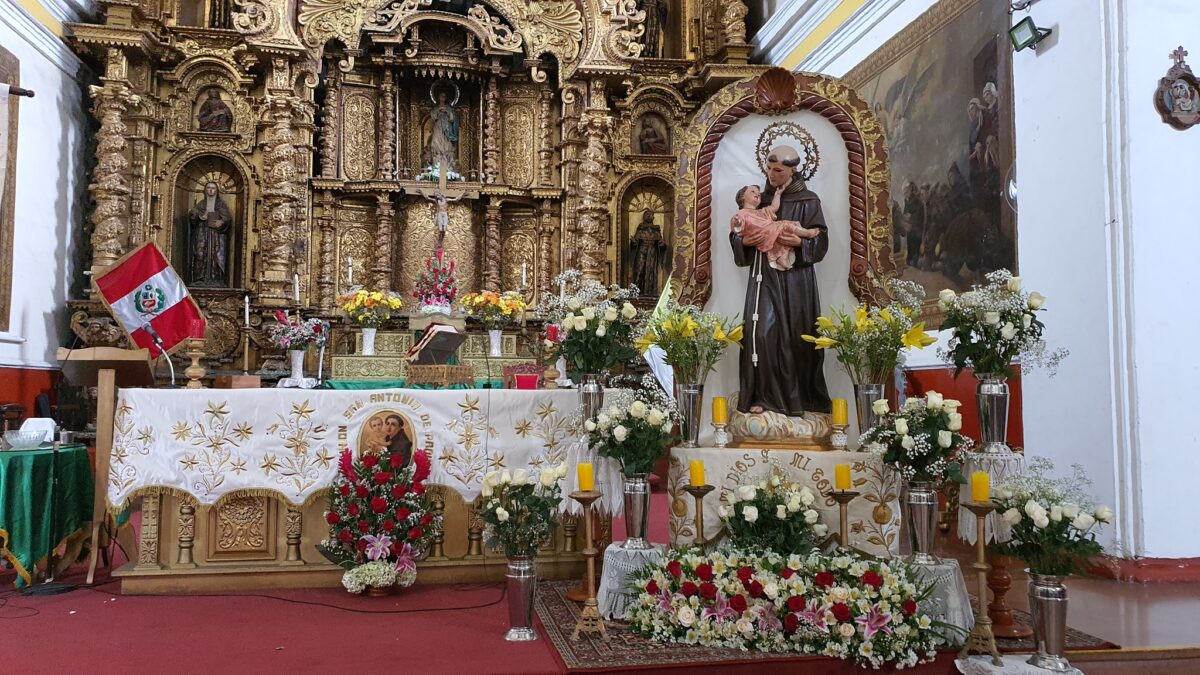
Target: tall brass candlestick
pixel 981 638
pixel 843 498
pixel 590 620
pixel 245 350
pixel 698 492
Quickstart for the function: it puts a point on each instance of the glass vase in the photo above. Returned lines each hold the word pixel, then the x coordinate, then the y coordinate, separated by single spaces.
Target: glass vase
pixel 689 399
pixel 865 396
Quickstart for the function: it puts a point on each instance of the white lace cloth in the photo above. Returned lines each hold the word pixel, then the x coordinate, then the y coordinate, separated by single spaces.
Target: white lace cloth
pixel 1014 664
pixel 1000 466
pixel 615 595
pixel 949 601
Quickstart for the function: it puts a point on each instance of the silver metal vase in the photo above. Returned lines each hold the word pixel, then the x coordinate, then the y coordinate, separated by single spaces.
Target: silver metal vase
pixel 689 399
pixel 637 511
pixel 865 396
pixel 921 521
pixel 1048 605
pixel 991 396
pixel 591 395
pixel 520 582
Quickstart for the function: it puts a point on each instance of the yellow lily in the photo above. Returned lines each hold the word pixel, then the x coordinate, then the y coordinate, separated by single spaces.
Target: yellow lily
pixel 824 323
pixel 689 327
pixel 643 343
pixel 917 337
pixel 885 315
pixel 821 342
pixel 735 336
pixel 861 322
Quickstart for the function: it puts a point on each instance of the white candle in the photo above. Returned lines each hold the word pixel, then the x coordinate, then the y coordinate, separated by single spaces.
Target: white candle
pixel 247 311
pixel 350 270
pixel 524 268
pixel 562 290
pixel 296 287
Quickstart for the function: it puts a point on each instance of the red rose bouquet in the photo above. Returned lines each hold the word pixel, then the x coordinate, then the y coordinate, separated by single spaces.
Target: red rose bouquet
pixel 437 287
pixel 379 519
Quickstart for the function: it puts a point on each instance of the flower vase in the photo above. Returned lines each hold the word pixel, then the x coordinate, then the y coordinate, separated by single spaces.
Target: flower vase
pixel 381 591
pixel 921 520
pixel 1048 606
pixel 865 396
pixel 637 512
pixel 991 396
pixel 495 338
pixel 591 395
pixel 520 585
pixel 368 341
pixel 689 399
pixel 297 357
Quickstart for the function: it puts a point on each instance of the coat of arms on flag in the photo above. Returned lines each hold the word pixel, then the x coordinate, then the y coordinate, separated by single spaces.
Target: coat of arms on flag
pixel 148 299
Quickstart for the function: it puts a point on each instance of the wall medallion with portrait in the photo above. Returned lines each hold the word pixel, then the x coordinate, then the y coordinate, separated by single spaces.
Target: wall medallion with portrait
pixel 1178 95
pixel 387 432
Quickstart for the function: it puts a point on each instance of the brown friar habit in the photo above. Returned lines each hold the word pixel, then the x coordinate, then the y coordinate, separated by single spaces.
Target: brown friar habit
pixel 788 377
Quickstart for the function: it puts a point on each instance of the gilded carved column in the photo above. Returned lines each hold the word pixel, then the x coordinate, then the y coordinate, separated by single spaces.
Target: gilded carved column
pixel 545 242
pixel 491 246
pixel 280 195
pixel 491 133
pixel 593 197
pixel 148 540
pixel 387 127
pixel 110 189
pixel 331 123
pixel 327 281
pixel 381 268
pixel 546 139
pixel 187 534
pixel 573 100
pixel 293 526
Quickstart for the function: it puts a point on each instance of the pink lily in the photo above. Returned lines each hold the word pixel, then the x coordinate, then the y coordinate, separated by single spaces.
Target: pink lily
pixel 874 622
pixel 767 621
pixel 378 547
pixel 664 601
pixel 405 560
pixel 814 616
pixel 720 610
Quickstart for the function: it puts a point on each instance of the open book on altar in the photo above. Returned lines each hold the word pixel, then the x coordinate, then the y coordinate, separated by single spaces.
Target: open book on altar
pixel 437 344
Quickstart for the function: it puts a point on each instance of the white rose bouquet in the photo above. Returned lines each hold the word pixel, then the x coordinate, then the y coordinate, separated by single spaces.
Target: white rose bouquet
pixel 773 515
pixel 519 509
pixel 635 429
pixel 994 324
pixel 922 440
pixel 596 324
pixel 1053 520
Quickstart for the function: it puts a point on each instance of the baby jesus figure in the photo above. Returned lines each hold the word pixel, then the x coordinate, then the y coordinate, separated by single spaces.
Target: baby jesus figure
pixel 760 224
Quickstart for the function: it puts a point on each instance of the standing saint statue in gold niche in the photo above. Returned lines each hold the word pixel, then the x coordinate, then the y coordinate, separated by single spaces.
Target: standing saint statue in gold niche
pixel 648 254
pixel 442 146
pixel 209 223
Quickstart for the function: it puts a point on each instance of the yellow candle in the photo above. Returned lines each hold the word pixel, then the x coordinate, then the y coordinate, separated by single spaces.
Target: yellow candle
pixel 720 411
pixel 696 469
pixel 839 412
pixel 981 486
pixel 841 476
pixel 585 476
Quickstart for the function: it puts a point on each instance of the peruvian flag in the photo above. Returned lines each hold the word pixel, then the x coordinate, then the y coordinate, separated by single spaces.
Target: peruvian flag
pixel 147 297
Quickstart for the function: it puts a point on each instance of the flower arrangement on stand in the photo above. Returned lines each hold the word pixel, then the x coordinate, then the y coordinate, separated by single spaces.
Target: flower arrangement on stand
pixel 991 326
pixel 864 611
pixel 692 340
pixel 437 287
pixel 870 340
pixel 519 516
pixel 294 335
pixel 370 309
pixel 635 429
pixel 773 515
pixel 496 311
pixel 1053 530
pixel 379 520
pixel 923 444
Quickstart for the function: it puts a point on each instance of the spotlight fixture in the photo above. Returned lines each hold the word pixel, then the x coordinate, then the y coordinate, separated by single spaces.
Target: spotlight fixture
pixel 1027 34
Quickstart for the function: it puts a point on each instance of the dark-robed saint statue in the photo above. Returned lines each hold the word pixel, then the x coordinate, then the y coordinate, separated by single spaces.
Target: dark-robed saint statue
pixel 779 371
pixel 648 255
pixel 209 223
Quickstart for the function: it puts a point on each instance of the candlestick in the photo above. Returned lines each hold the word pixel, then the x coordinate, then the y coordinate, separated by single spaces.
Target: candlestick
pixel 981 639
pixel 981 488
pixel 590 620
pixel 296 287
pixel 585 476
pixel 841 476
pixel 562 290
pixel 720 410
pixel 524 270
pixel 247 299
pixel 698 492
pixel 839 414
pixel 843 498
pixel 246 349
pixel 720 435
pixel 696 471
pixel 349 270
pixel 838 439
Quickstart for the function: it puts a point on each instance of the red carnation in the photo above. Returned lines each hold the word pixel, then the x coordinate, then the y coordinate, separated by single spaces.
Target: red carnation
pixel 427 519
pixel 418 489
pixel 370 461
pixel 382 477
pixel 389 525
pixel 756 589
pixel 353 509
pixel 872 579
pixel 363 526
pixel 402 513
pixel 674 568
pixel 745 573
pixel 738 603
pixel 652 587
pixel 824 579
pixel 379 505
pixel 705 572
pixel 395 461
pixel 909 607
pixel 345 536
pixel 398 491
pixel 708 591
pixel 332 518
pixel 346 464
pixel 841 612
pixel 795 603
pixel 421 460
pixel 416 533
pixel 361 491
pixel 786 573
pixel 688 588
pixel 344 488
pixel 361 545
pixel 790 623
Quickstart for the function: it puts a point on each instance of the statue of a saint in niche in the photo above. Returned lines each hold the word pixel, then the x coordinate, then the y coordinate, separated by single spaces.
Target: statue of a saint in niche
pixel 442 147
pixel 652 136
pixel 214 114
pixel 779 371
pixel 209 223
pixel 648 255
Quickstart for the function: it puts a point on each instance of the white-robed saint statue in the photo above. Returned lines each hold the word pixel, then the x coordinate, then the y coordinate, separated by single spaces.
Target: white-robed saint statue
pixel 442 146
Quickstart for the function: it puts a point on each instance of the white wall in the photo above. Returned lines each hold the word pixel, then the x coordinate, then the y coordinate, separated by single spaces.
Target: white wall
pixel 49 190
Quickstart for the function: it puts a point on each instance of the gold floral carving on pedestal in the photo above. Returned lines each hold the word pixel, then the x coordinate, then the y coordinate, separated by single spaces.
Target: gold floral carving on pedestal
pixel 241 523
pixel 518 150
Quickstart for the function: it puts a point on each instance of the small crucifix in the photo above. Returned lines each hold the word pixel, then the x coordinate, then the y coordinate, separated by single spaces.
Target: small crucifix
pixel 1179 54
pixel 441 198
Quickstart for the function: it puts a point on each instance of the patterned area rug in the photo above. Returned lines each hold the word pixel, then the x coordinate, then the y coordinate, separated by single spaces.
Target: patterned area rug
pixel 625 650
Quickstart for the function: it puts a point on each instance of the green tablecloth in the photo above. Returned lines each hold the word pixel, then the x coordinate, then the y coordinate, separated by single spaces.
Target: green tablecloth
pixel 25 476
pixel 399 384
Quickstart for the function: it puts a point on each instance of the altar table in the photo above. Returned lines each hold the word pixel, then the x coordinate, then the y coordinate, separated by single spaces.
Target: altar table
pixel 26 533
pixel 874 517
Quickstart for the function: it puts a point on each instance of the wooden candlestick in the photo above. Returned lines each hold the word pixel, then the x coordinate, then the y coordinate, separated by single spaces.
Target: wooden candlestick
pixel 843 498
pixel 981 639
pixel 195 372
pixel 590 620
pixel 1000 581
pixel 698 492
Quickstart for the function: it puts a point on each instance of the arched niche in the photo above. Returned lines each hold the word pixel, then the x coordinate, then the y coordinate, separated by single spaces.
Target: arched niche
pixel 646 233
pixel 202 230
